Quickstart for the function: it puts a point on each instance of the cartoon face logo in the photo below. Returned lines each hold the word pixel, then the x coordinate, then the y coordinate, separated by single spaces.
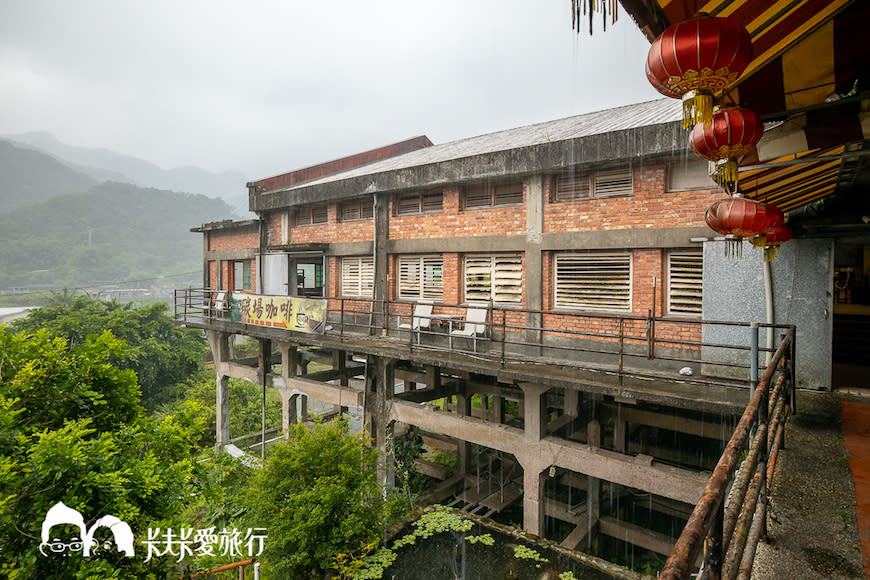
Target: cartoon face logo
pixel 62 515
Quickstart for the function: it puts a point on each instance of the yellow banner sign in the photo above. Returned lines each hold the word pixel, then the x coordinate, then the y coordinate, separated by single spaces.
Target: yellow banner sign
pixel 297 314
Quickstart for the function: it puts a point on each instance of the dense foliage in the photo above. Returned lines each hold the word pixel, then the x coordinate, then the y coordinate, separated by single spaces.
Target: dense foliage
pixel 162 353
pixel 72 430
pixel 318 495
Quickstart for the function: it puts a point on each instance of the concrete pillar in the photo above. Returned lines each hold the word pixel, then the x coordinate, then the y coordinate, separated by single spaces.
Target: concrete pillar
pixel 593 487
pixel 534 410
pixel 222 415
pixel 571 402
pixel 497 412
pixel 303 407
pixel 339 363
pixel 533 254
pixel 463 408
pixel 533 500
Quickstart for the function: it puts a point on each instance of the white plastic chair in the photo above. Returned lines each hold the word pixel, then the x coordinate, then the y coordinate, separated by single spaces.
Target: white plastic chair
pixel 474 324
pixel 421 320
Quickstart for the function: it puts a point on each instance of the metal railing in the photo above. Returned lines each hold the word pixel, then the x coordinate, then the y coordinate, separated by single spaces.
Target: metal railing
pixel 728 524
pixel 621 344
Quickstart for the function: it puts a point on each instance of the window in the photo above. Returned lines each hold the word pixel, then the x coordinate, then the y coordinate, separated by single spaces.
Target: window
pixel 690 174
pixel 242 275
pixel 421 277
pixel 593 281
pixel 496 278
pixel 415 203
pixel 357 276
pixel 609 183
pixel 685 282
pixel 312 214
pixel 358 209
pixel 488 195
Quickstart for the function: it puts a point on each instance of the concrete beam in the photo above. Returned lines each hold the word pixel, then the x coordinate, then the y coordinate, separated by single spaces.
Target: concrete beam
pixel 334 394
pixel 634 534
pixel 672 422
pixel 667 481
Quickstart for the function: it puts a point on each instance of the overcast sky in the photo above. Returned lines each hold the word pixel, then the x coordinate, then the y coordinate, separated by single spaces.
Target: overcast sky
pixel 268 86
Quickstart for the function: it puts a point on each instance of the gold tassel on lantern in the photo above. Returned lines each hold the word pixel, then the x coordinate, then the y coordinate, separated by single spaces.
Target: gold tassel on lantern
pixel 697 108
pixel 726 174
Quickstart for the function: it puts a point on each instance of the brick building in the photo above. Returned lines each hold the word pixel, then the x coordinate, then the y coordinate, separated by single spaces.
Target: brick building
pixel 579 244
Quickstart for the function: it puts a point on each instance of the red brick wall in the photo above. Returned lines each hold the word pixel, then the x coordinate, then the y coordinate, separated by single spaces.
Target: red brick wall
pixel 649 207
pixel 455 222
pixel 333 231
pixel 222 240
pixel 212 275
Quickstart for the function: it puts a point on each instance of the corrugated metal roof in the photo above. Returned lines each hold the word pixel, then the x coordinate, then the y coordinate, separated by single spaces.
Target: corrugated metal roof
pixel 628 117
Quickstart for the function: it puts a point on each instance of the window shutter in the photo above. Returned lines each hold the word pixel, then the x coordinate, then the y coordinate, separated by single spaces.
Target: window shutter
pixel 350 277
pixel 319 214
pixel 433 278
pixel 508 193
pixel 432 202
pixel 350 212
pixel 409 277
pixel 367 276
pixel 508 279
pixel 496 278
pixel 613 182
pixel 303 216
pixel 593 281
pixel 478 278
pixel 357 276
pixel 685 282
pixel 408 204
pixel 421 277
pixel 478 196
pixel 572 188
pixel 366 209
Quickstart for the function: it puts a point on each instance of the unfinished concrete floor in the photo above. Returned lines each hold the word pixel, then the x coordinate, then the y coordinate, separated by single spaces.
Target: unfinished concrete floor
pixel 814 527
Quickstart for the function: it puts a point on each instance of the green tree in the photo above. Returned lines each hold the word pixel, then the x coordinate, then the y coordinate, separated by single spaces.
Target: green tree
pixel 318 496
pixel 72 430
pixel 162 353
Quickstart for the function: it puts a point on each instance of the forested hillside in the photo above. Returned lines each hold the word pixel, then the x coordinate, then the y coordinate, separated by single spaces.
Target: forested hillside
pixel 28 177
pixel 112 232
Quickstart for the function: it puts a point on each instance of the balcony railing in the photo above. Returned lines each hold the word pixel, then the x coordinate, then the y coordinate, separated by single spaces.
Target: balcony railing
pixel 650 346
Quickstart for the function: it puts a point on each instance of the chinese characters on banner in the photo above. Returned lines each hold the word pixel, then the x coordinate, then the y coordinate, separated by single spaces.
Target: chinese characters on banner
pixel 298 314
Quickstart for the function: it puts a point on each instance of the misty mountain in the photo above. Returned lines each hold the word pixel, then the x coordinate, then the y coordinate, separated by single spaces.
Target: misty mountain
pixel 28 177
pixel 103 164
pixel 113 232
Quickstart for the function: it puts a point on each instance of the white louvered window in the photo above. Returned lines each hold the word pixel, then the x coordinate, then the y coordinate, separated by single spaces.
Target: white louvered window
pixel 613 182
pixel 572 187
pixel 415 203
pixel 496 278
pixel 421 277
pixel 593 281
pixel 685 283
pixel 313 214
pixel 357 276
pixel 489 195
pixel 358 209
pixel 581 186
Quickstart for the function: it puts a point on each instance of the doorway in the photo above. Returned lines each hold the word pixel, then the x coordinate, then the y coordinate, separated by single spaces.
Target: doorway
pixel 851 332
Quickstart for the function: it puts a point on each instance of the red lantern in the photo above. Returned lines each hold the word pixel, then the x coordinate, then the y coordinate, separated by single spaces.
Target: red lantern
pixel 738 217
pixel 772 240
pixel 694 59
pixel 731 135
